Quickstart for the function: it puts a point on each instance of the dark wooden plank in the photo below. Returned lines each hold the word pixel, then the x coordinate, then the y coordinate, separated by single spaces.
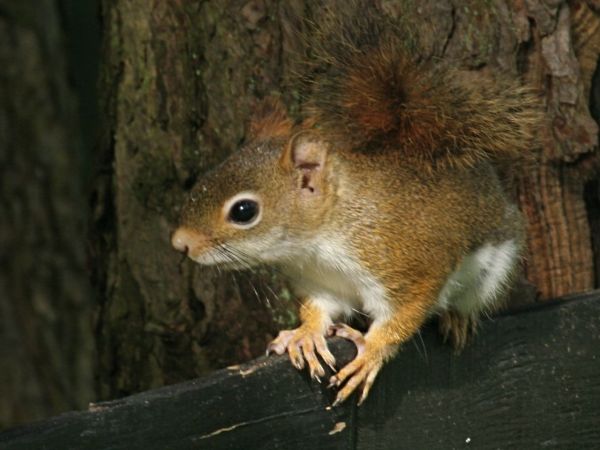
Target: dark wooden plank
pixel 530 380
pixel 263 404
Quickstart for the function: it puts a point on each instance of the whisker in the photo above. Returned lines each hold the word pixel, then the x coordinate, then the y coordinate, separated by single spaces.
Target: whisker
pixel 275 296
pixel 232 256
pixel 235 256
pixel 359 312
pixel 254 289
pixel 423 354
pixel 250 262
pixel 218 265
pixel 235 280
pixel 253 261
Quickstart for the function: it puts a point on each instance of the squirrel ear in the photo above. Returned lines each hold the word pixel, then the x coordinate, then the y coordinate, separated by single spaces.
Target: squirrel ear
pixel 306 154
pixel 305 151
pixel 269 120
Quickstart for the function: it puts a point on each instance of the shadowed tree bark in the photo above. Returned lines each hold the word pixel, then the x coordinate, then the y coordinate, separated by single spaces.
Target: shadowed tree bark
pixel 46 342
pixel 179 80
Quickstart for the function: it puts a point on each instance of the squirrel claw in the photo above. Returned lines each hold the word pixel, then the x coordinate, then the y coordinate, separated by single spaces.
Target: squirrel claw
pixel 457 328
pixel 334 382
pixel 364 376
pixel 280 343
pixel 303 345
pixel 274 348
pixel 362 371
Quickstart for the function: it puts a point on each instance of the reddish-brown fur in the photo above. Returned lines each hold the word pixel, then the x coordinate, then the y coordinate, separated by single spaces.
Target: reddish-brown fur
pixel 269 120
pixel 367 91
pixel 388 170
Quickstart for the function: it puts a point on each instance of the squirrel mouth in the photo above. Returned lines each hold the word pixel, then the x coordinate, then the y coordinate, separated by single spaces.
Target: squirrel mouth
pixel 200 249
pixel 213 257
pixel 206 258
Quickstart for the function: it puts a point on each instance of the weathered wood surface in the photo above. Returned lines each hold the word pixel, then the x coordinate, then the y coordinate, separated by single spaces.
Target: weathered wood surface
pixel 529 380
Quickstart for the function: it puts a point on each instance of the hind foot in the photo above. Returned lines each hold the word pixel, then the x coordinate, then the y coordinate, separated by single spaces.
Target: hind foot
pixel 457 329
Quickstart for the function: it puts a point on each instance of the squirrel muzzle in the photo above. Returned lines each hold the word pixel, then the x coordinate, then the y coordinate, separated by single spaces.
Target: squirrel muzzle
pixel 189 241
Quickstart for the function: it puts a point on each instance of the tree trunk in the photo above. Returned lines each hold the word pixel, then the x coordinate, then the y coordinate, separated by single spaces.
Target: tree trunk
pixel 562 62
pixel 179 80
pixel 46 343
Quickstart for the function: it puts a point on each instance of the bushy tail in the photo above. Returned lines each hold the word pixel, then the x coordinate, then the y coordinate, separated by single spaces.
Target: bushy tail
pixel 368 90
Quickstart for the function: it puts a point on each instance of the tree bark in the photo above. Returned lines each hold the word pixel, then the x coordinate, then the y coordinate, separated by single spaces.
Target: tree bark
pixel 46 343
pixel 566 38
pixel 179 81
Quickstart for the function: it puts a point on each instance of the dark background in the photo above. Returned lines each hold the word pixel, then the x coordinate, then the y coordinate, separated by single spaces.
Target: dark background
pixel 50 56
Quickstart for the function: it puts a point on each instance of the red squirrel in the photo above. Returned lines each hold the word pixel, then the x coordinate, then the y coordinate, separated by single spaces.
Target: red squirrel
pixel 383 199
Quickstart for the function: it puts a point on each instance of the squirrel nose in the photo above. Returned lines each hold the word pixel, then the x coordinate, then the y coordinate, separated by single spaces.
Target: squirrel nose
pixel 187 240
pixel 181 240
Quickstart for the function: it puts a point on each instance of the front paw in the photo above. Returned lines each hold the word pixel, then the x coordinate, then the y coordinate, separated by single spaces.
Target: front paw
pixel 303 345
pixel 362 371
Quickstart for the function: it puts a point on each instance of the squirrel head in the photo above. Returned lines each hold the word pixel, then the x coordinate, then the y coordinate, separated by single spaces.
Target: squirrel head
pixel 261 203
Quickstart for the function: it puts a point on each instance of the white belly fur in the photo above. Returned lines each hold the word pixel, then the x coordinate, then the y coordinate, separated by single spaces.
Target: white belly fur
pixel 332 279
pixel 481 278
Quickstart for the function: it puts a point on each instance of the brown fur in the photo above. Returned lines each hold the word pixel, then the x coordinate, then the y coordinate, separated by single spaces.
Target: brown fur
pixel 269 120
pixel 349 201
pixel 367 91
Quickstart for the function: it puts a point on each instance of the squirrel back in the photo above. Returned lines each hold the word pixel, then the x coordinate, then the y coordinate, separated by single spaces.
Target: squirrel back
pixel 366 90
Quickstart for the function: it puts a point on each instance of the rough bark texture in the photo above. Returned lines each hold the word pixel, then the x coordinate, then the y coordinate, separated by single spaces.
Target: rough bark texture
pixel 562 61
pixel 179 80
pixel 45 302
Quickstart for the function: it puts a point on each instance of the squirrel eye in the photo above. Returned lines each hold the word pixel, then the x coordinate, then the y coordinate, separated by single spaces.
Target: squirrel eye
pixel 243 211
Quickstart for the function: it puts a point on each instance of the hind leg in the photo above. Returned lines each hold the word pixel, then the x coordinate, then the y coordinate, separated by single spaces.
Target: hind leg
pixel 457 328
pixel 477 286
